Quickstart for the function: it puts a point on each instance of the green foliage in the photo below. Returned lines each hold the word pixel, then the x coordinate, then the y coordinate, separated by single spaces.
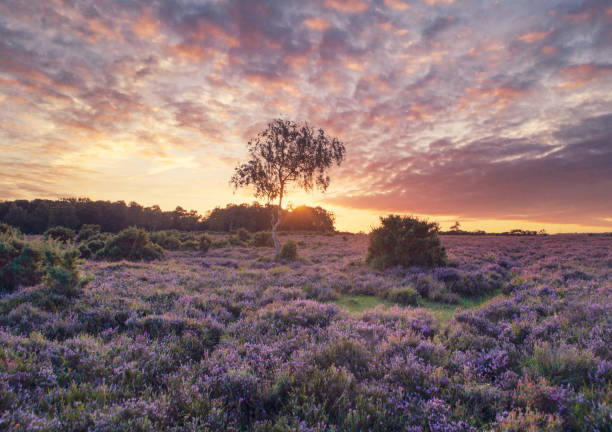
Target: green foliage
pixel 62 275
pixel 131 244
pixel 168 240
pixel 205 243
pixel 404 296
pixel 20 261
pixel 405 241
pixel 243 235
pixel 263 239
pixel 60 233
pixel 288 251
pixel 28 263
pixel 88 231
pixel 563 364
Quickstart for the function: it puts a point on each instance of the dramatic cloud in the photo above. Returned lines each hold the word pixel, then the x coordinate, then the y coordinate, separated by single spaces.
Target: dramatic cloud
pixel 479 110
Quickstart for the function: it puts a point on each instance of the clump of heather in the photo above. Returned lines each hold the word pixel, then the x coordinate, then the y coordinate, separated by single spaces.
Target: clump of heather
pixel 232 340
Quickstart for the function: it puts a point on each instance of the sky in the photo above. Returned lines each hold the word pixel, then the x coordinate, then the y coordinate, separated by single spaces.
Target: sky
pixel 496 114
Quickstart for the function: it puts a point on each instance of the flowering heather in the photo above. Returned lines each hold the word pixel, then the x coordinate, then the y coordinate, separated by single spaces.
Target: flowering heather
pixel 232 340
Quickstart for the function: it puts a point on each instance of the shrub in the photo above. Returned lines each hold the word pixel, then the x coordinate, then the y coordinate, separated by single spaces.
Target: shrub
pixel 132 244
pixel 243 235
pixel 60 233
pixel 405 296
pixel 20 263
pixel 263 239
pixel 61 273
pixel 85 251
pixel 205 243
pixel 167 239
pixel 9 230
pixel 88 231
pixel 191 245
pixel 288 251
pixel 563 364
pixel 405 241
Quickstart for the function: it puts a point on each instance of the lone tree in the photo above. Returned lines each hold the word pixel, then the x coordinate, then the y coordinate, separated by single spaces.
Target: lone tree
pixel 287 153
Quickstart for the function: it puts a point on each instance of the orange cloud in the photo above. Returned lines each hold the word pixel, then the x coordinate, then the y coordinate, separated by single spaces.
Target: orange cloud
pixel 194 53
pixel 316 23
pixel 483 98
pixel 532 37
pixel 437 2
pixel 350 6
pixel 397 5
pixel 147 25
pixel 577 76
pixel 550 50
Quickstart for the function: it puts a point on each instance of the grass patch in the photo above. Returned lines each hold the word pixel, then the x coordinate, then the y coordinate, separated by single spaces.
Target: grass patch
pixel 355 304
pixel 444 312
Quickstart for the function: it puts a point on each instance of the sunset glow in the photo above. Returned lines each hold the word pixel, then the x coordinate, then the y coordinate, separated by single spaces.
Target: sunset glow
pixel 495 114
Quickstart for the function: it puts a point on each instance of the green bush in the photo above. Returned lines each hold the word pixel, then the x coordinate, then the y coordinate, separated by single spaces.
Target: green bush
pixel 205 243
pixel 87 231
pixel 243 235
pixel 9 230
pixel 405 241
pixel 405 296
pixel 20 261
pixel 288 251
pixel 263 239
pixel 60 233
pixel 131 244
pixel 28 263
pixel 62 275
pixel 168 240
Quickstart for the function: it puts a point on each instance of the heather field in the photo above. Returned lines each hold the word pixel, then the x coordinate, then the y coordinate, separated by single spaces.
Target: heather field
pixel 515 334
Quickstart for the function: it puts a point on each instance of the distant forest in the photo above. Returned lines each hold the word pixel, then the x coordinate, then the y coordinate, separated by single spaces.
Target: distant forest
pixel 36 216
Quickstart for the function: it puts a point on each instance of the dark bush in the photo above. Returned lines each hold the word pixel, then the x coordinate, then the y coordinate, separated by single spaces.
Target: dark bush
pixel 88 231
pixel 405 241
pixel 263 239
pixel 62 275
pixel 60 233
pixel 20 263
pixel 205 243
pixel 85 251
pixel 243 235
pixel 288 251
pixel 168 240
pixel 131 244
pixel 404 296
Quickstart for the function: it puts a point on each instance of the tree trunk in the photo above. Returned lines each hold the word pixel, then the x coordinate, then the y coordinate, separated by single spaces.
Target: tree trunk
pixel 275 223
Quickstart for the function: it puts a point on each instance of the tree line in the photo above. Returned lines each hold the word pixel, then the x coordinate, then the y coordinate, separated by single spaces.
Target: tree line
pixel 36 216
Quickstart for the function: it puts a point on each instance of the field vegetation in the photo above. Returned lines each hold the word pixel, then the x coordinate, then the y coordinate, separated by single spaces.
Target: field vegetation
pixel 217 333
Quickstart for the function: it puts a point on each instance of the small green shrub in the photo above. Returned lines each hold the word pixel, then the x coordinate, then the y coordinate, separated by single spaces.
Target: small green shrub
pixel 131 244
pixel 88 231
pixel 263 239
pixel 405 296
pixel 205 243
pixel 168 240
pixel 190 245
pixel 60 233
pixel 20 261
pixel 85 251
pixel 62 275
pixel 288 251
pixel 243 235
pixel 9 230
pixel 405 241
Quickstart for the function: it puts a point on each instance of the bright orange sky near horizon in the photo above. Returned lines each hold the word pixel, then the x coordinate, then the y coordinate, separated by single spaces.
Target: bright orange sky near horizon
pixel 494 114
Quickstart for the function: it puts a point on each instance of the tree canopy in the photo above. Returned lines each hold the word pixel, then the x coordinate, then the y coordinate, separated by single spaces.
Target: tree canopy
pixel 287 153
